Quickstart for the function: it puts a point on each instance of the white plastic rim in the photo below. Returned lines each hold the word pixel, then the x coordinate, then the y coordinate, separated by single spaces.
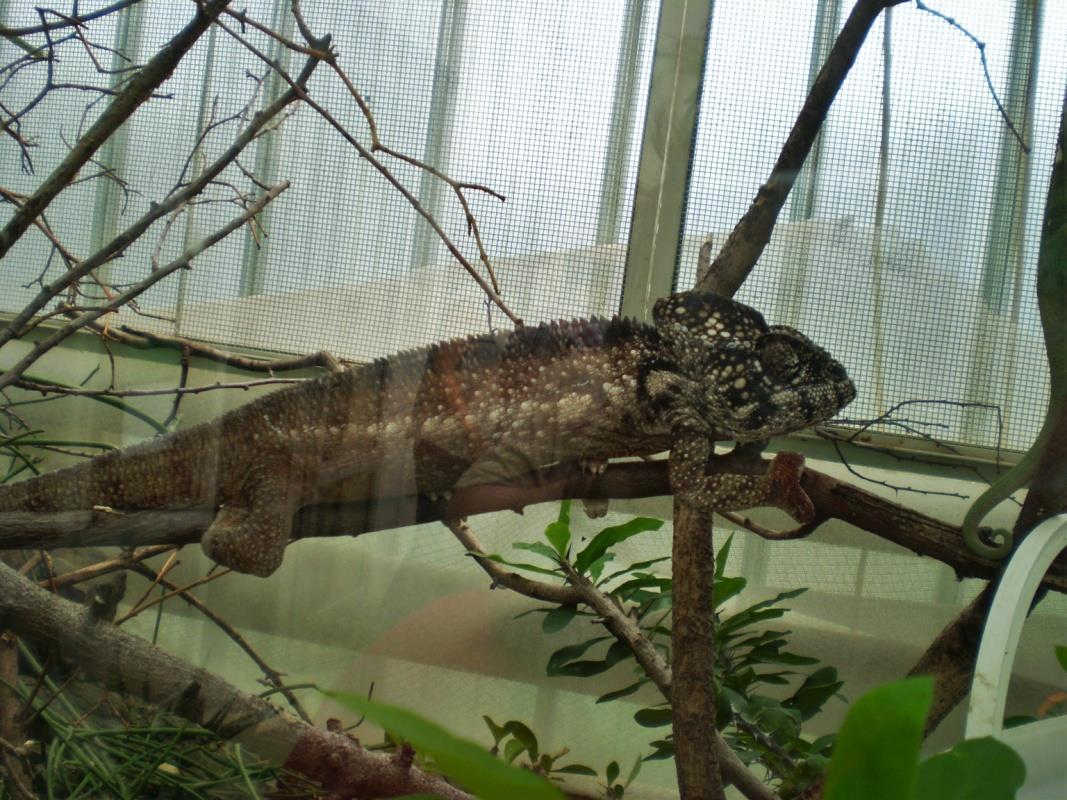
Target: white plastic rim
pixel 996 655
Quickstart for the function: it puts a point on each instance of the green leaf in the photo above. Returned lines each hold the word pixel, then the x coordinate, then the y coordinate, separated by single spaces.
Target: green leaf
pixel 577 769
pixel 559 536
pixel 558 618
pixel 770 655
pixel 540 548
pixel 1015 720
pixel 597 567
pixel 661 603
pixel 517 564
pixel 612 536
pixel 463 761
pixel 584 669
pixel 662 749
pixel 729 627
pixel 569 653
pixel 523 734
pixel 977 769
pixel 1061 656
pixel 813 693
pixel 824 743
pixel 642 581
pixel 725 588
pixel 497 731
pixel 721 556
pixel 877 752
pixel 636 768
pixel 625 692
pixel 637 566
pixel 545 763
pixel 738 702
pixel 564 517
pixel 612 772
pixel 653 717
pixel 512 750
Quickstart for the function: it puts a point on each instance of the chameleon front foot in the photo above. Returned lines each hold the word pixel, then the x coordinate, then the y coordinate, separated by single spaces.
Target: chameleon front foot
pixel 779 486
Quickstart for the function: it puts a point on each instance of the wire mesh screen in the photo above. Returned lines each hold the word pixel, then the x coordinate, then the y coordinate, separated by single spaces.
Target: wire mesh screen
pixel 908 246
pixel 537 102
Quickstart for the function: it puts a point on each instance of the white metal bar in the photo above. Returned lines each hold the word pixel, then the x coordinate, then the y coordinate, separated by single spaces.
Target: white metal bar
pixel 996 655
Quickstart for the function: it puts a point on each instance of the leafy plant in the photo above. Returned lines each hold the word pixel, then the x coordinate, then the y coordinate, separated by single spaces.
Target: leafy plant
pixel 750 657
pixel 463 761
pixel 876 756
pixel 514 739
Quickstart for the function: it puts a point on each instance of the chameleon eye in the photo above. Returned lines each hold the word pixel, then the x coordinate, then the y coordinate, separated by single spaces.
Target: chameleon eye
pixel 779 357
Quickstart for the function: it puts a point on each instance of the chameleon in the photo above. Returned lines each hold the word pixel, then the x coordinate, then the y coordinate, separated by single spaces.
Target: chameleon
pixel 477 410
pixel 1052 304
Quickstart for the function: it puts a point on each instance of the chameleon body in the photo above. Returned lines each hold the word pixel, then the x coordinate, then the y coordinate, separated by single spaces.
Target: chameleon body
pixel 472 411
pixel 1052 303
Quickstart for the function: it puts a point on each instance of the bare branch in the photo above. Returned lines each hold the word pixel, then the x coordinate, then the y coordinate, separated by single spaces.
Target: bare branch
pixel 125 103
pixel 489 288
pixel 980 45
pixel 272 677
pixel 66 21
pixel 46 388
pixel 109 251
pixel 8 377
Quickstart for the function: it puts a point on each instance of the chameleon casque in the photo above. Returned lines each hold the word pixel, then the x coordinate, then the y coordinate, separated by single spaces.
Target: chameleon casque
pixel 478 410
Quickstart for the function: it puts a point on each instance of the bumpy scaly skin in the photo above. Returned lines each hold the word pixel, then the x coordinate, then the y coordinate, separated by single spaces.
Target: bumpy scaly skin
pixel 479 410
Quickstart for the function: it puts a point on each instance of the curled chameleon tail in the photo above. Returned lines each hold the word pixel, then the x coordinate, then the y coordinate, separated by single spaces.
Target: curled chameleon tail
pixel 1001 489
pixel 1052 302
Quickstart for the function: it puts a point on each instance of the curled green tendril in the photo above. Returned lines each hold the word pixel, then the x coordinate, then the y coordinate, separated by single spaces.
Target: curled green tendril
pixel 1000 490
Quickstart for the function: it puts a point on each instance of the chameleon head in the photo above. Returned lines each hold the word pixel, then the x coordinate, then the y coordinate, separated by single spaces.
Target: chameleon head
pixel 743 379
pixel 778 383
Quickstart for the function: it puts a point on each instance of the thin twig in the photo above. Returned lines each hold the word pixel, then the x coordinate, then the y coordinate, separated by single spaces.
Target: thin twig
pixel 368 155
pixel 10 376
pixel 157 70
pixel 273 677
pixel 978 43
pixel 136 230
pixel 67 21
pixel 45 388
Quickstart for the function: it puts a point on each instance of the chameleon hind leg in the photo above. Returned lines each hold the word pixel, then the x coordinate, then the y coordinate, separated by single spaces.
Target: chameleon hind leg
pixel 250 532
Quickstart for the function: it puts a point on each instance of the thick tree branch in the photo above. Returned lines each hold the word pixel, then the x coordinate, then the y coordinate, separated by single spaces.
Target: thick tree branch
pixel 833 499
pixel 130 665
pixel 693 647
pixel 950 658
